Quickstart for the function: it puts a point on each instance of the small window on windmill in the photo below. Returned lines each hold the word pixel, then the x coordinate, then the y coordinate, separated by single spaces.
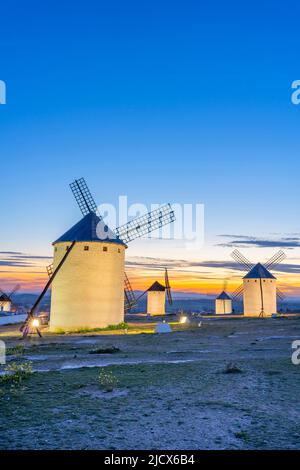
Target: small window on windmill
pixel 86 248
pixel 55 249
pixel 119 251
pixel 105 248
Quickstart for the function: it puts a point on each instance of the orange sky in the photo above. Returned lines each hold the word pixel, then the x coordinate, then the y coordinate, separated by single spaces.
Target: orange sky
pixel 185 279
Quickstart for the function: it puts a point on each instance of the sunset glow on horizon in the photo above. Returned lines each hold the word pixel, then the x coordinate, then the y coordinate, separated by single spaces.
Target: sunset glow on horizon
pixel 182 280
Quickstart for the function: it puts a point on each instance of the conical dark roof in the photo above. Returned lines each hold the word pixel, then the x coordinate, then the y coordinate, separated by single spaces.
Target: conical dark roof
pixel 4 298
pixel 259 272
pixel 224 296
pixel 156 286
pixel 89 229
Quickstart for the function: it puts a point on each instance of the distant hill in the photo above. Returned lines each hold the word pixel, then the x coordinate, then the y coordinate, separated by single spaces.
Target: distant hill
pixel 27 300
pixel 181 301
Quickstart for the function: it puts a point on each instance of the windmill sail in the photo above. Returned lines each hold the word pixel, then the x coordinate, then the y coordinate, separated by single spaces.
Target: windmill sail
pixel 83 197
pixel 130 300
pixel 130 231
pixel 280 294
pixel 275 260
pixel 145 224
pixel 237 294
pixel 15 289
pixel 168 288
pixel 49 270
pixel 241 259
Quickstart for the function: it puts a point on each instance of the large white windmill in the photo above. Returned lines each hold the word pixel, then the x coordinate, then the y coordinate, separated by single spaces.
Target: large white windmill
pixel 259 289
pixel 88 274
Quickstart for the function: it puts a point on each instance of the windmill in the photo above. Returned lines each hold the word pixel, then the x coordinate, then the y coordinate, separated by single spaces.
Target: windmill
pixel 156 296
pixel 223 303
pixel 259 289
pixel 129 297
pixel 88 290
pixel 6 301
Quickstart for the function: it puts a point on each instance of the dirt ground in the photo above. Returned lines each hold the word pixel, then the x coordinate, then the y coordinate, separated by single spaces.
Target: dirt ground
pixel 172 390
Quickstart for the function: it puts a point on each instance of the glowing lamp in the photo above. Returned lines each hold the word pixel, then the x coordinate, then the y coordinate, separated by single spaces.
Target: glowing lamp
pixel 35 322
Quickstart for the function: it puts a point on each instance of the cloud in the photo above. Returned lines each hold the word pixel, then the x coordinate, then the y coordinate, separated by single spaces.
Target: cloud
pixel 288 268
pixel 15 264
pixel 18 259
pixel 10 253
pixel 160 264
pixel 240 241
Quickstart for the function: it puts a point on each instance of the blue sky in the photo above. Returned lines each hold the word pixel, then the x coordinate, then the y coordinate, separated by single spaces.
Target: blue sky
pixel 161 101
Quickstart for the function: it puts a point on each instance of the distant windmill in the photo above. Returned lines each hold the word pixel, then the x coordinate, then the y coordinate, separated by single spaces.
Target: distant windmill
pixel 88 290
pixel 156 296
pixel 6 301
pixel 259 289
pixel 223 303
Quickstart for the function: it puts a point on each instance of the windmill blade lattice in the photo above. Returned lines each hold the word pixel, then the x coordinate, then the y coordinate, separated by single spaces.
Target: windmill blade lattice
pixel 14 291
pixel 275 260
pixel 168 288
pixel 241 259
pixel 280 294
pixel 237 294
pixel 145 224
pixel 225 285
pixel 2 292
pixel 83 197
pixel 129 300
pixel 49 270
pixel 10 295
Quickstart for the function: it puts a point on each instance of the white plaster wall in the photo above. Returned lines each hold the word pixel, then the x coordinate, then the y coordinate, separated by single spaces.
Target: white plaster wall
pixel 88 291
pixel 223 306
pixel 156 302
pixel 5 306
pixel 252 297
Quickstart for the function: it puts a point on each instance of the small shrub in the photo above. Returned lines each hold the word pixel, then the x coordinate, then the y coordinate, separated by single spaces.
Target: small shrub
pixel 108 381
pixel 242 435
pixel 17 350
pixel 120 326
pixel 232 368
pixel 108 350
pixel 16 373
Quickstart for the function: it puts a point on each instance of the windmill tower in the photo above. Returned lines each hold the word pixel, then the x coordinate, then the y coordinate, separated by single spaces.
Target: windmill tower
pixel 87 275
pixel 259 289
pixel 223 303
pixel 6 302
pixel 156 297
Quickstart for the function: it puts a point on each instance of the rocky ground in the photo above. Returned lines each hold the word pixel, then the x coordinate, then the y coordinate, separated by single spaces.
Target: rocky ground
pixel 173 392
